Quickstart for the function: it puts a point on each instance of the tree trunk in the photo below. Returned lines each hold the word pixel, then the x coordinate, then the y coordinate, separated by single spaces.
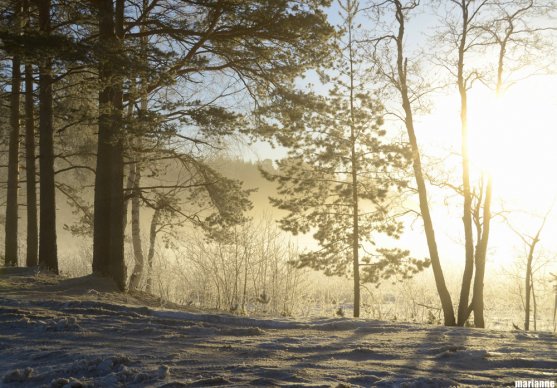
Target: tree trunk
pixel 32 232
pixel 101 229
pixel 534 302
pixel 11 251
pixel 555 308
pixel 48 252
pixel 354 173
pixel 129 189
pixel 478 298
pixel 139 267
pixel 135 279
pixel 151 254
pixel 108 239
pixel 444 296
pixel 528 283
pixel 117 260
pixel 467 208
pixel 245 288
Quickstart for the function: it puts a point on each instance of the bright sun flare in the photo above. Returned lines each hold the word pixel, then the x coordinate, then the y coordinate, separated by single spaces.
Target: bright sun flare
pixel 513 137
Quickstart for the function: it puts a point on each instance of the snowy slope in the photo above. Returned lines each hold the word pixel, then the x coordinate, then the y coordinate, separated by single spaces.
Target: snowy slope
pixel 80 333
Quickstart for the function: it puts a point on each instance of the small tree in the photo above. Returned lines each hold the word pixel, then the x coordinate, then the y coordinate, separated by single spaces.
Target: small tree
pixel 338 177
pixel 400 75
pixel 531 242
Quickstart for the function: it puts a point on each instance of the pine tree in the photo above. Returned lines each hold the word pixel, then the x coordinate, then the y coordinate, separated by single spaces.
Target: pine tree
pixel 339 177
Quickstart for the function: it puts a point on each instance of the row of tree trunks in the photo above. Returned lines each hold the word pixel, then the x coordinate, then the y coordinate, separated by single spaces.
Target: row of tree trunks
pixel 12 206
pixel 501 35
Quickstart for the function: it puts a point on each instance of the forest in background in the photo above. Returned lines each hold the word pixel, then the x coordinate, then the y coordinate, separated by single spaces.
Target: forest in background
pixel 124 112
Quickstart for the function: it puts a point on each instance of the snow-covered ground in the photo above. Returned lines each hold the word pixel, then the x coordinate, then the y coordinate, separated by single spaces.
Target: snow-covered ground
pixel 79 332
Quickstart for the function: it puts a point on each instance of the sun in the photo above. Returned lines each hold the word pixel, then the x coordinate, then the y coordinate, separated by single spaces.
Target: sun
pixel 513 137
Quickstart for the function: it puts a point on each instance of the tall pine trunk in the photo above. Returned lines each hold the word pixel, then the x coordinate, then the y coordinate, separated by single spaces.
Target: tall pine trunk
pixel 48 252
pixel 108 239
pixel 117 260
pixel 444 296
pixel 32 232
pixel 102 199
pixel 11 251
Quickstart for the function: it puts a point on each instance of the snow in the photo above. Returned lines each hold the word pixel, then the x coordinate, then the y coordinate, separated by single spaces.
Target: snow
pixel 55 333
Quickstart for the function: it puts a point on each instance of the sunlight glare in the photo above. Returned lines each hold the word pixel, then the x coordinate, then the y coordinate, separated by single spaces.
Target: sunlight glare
pixel 512 137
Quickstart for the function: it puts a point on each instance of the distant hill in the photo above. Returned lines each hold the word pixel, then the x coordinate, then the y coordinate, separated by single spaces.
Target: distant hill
pixel 248 172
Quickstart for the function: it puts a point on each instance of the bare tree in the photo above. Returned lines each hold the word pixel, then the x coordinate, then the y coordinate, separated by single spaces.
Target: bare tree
pixel 506 28
pixel 470 26
pixel 469 11
pixel 397 76
pixel 531 242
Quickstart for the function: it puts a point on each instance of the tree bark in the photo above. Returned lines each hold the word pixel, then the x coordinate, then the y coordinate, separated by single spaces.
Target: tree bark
pixel 467 207
pixel 534 301
pixel 555 307
pixel 129 189
pixel 48 251
pixel 354 173
pixel 108 239
pixel 11 228
pixel 32 232
pixel 444 296
pixel 117 259
pixel 245 288
pixel 478 298
pixel 135 171
pixel 528 278
pixel 102 199
pixel 527 285
pixel 135 279
pixel 151 254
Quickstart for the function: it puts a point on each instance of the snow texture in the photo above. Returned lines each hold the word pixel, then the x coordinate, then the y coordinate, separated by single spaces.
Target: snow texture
pixel 57 336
